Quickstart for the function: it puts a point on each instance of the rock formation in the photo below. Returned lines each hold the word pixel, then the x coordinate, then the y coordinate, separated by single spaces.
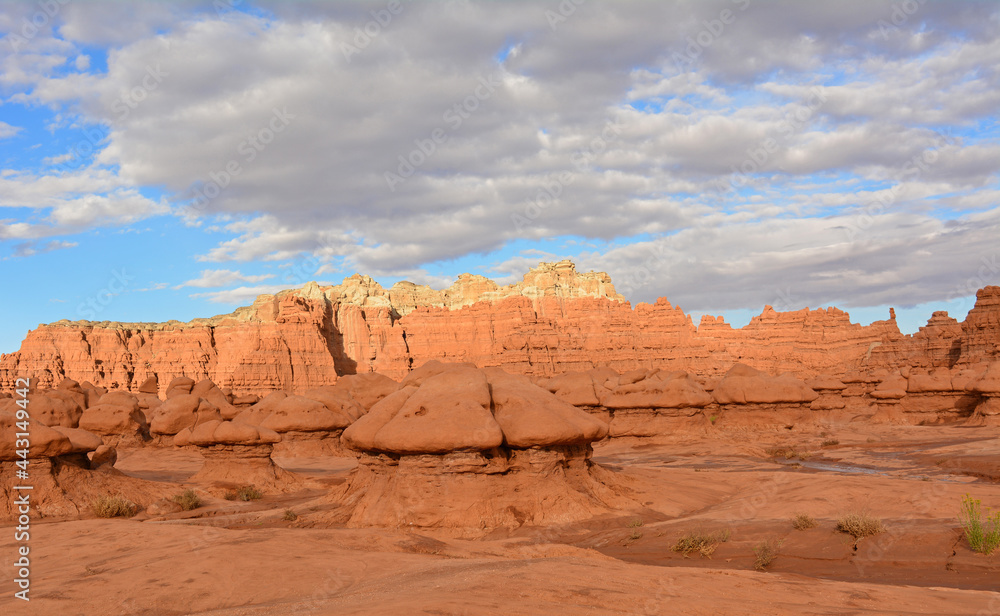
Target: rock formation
pixel 310 424
pixel 988 386
pixel 556 320
pixel 60 474
pixel 237 454
pixel 457 446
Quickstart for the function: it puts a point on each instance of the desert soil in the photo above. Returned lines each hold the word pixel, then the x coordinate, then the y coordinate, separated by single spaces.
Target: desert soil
pixel 242 559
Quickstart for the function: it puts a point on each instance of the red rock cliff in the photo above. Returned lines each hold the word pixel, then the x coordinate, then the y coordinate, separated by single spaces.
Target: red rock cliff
pixel 555 320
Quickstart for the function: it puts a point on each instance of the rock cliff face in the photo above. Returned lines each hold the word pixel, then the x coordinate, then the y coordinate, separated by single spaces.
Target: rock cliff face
pixel 556 320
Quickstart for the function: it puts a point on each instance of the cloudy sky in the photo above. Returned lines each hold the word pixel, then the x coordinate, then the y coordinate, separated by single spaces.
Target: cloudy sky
pixel 173 160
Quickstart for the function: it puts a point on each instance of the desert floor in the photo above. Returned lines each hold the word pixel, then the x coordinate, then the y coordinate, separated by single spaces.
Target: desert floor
pixel 235 558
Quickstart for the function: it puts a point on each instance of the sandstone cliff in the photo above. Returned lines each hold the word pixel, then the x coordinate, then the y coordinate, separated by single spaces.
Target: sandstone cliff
pixel 555 320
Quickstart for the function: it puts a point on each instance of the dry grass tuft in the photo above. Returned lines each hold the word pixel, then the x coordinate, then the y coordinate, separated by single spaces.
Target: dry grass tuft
pixel 803 521
pixel 188 500
pixel 114 507
pixel 765 552
pixel 245 493
pixel 860 524
pixel 701 542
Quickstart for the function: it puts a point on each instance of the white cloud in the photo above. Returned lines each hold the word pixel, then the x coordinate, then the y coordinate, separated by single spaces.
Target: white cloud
pixel 221 278
pixel 537 121
pixel 6 130
pixel 240 295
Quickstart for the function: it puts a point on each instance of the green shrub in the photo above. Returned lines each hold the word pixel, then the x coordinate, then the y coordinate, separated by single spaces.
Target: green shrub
pixel 114 507
pixel 188 500
pixel 982 531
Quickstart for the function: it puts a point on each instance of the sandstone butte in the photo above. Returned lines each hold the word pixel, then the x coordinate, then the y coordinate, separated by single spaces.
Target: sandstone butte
pixel 556 320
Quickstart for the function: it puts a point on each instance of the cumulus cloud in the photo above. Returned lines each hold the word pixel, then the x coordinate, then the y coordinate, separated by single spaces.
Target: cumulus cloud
pixel 28 249
pixel 221 278
pixel 734 140
pixel 239 295
pixel 6 130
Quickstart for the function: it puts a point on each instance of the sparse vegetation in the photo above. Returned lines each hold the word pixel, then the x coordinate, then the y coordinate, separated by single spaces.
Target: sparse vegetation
pixel 788 453
pixel 765 552
pixel 860 524
pixel 804 521
pixel 635 524
pixel 244 493
pixel 290 516
pixel 701 542
pixel 114 507
pixel 188 500
pixel 830 442
pixel 713 419
pixel 982 531
pixel 635 535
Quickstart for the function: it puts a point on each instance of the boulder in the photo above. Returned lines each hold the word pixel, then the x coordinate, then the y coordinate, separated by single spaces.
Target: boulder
pixel 150 386
pixel 745 385
pixel 182 411
pixel 178 386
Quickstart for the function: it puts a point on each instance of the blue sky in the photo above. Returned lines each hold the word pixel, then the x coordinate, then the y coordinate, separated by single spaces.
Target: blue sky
pixel 726 155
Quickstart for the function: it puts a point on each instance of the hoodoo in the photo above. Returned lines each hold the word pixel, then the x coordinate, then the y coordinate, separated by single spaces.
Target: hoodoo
pixel 461 447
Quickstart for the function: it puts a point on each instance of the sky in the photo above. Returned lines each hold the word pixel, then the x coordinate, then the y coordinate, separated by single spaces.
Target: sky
pixel 174 160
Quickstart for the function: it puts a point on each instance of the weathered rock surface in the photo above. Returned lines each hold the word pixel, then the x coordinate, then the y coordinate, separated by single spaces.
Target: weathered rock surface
pixel 556 320
pixel 457 446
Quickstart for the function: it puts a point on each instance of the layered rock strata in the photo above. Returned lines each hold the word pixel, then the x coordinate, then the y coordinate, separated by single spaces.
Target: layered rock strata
pixel 460 447
pixel 556 320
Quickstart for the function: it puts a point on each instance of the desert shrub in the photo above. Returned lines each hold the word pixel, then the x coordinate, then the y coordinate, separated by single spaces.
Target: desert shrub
pixel 113 507
pixel 765 552
pixel 701 542
pixel 830 442
pixel 803 521
pixel 982 531
pixel 788 453
pixel 188 500
pixel 860 524
pixel 290 516
pixel 635 524
pixel 244 493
